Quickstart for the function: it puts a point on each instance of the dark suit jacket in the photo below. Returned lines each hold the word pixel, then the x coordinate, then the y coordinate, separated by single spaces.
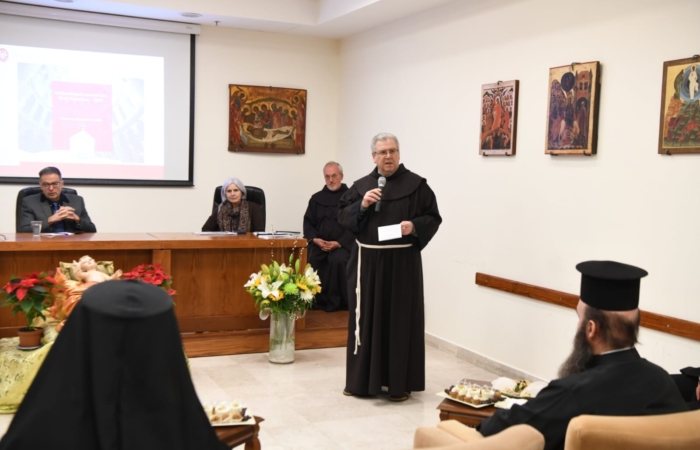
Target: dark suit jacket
pixel 38 207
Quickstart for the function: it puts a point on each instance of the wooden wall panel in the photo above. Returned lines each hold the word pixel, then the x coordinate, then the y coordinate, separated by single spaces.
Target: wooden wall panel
pixel 658 322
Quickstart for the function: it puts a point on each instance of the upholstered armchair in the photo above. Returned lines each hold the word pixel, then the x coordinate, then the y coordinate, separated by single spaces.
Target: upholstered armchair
pixel 452 435
pixel 679 431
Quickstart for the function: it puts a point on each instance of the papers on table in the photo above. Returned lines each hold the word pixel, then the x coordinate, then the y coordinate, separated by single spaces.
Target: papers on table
pixel 277 234
pixel 508 403
pixel 217 233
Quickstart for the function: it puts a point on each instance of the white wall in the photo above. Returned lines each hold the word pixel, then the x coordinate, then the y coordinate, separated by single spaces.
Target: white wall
pixel 533 217
pixel 227 56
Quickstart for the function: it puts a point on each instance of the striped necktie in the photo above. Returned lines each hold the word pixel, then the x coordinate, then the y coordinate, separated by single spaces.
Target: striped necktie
pixel 57 226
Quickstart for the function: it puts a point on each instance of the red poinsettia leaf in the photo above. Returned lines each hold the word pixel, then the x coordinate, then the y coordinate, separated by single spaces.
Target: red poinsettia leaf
pixel 21 292
pixel 171 291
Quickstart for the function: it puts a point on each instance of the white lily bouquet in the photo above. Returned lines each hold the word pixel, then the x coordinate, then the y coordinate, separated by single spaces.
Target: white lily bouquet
pixel 283 289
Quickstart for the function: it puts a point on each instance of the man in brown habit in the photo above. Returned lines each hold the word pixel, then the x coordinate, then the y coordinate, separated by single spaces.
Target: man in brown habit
pixel 386 346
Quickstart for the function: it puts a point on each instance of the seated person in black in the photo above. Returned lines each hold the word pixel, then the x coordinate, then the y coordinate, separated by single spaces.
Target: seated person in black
pixel 115 378
pixel 58 211
pixel 329 243
pixel 604 375
pixel 235 213
pixel 688 382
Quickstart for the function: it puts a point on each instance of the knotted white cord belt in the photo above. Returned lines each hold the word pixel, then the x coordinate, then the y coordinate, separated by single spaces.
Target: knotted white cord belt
pixel 359 276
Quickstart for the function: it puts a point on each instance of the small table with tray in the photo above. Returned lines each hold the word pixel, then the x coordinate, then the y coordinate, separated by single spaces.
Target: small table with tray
pixel 235 435
pixel 465 414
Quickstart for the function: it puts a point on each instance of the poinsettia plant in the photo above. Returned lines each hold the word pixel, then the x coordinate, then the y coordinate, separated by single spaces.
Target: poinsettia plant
pixel 152 274
pixel 30 294
pixel 284 289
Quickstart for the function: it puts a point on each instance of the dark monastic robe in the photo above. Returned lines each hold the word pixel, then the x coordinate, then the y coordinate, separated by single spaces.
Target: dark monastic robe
pixel 116 378
pixel 392 322
pixel 617 384
pixel 321 221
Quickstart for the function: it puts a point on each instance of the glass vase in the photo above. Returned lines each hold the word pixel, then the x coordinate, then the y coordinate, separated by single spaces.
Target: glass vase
pixel 281 338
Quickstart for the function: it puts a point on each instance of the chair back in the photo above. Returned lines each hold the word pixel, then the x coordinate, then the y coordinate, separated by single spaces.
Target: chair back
pixel 31 190
pixel 677 431
pixel 253 194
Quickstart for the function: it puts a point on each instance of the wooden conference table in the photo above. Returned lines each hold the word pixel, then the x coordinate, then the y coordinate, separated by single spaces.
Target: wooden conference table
pixel 208 273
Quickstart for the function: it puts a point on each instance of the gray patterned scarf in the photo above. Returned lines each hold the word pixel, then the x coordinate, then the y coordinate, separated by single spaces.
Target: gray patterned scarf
pixel 234 218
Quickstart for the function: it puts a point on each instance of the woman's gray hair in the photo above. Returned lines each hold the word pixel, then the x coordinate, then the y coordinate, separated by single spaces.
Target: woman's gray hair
pixel 227 183
pixel 384 137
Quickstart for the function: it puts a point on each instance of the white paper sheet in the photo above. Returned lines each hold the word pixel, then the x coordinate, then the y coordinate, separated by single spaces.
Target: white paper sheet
pixel 389 232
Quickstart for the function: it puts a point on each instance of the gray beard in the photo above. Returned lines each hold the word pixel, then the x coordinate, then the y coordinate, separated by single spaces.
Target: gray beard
pixel 580 357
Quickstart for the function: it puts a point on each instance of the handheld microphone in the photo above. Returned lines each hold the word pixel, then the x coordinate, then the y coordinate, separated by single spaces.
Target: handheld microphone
pixel 381 182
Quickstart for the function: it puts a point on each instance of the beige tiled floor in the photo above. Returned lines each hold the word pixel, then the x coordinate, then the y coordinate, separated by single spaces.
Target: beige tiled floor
pixel 303 404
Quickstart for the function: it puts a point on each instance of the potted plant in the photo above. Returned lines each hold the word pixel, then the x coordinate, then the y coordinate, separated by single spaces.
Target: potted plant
pixel 30 294
pixel 152 274
pixel 284 293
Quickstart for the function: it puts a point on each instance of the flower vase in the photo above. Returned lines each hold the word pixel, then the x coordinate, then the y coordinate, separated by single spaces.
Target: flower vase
pixel 30 338
pixel 281 338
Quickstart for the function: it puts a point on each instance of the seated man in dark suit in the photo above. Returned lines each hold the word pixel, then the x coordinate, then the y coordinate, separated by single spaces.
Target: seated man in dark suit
pixel 604 375
pixel 329 243
pixel 58 211
pixel 688 382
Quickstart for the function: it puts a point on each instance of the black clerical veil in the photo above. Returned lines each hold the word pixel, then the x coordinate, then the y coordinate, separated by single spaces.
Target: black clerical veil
pixel 115 379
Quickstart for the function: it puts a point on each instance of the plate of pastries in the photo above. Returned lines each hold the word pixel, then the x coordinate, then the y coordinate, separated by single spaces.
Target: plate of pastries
pixel 226 413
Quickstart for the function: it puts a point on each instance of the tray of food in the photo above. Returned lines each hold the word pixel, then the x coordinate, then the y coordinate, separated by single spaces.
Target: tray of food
pixel 472 395
pixel 522 389
pixel 227 413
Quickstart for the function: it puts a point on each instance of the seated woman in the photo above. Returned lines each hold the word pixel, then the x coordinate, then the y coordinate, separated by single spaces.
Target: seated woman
pixel 235 213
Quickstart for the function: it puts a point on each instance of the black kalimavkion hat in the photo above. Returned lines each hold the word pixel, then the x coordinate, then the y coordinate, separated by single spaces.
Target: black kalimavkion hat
pixel 610 285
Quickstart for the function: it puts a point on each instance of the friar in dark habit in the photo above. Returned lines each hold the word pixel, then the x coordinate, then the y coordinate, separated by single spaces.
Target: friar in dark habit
pixel 329 244
pixel 392 225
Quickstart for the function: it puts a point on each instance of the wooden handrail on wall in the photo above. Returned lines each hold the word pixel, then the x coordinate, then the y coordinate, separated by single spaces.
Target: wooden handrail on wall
pixel 658 322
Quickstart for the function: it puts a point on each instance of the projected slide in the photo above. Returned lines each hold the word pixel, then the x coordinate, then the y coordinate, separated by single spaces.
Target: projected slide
pixel 94 115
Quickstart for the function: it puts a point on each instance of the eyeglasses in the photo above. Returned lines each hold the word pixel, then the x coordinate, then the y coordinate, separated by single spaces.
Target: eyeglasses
pixel 55 184
pixel 385 153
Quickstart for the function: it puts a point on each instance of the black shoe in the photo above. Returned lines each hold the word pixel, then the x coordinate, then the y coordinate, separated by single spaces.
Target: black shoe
pixel 400 398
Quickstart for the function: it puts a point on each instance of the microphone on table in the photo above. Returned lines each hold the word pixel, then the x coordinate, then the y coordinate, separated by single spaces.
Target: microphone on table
pixel 381 182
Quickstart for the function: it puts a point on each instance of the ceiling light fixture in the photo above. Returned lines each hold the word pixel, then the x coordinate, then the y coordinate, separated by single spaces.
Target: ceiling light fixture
pixel 64 1
pixel 189 14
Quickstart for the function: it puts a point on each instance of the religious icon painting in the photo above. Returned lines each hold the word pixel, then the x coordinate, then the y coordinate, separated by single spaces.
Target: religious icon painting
pixel 266 119
pixel 679 130
pixel 499 110
pixel 572 110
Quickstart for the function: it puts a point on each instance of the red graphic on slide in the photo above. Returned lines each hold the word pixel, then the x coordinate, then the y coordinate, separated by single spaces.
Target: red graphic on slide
pixel 3 55
pixel 81 116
